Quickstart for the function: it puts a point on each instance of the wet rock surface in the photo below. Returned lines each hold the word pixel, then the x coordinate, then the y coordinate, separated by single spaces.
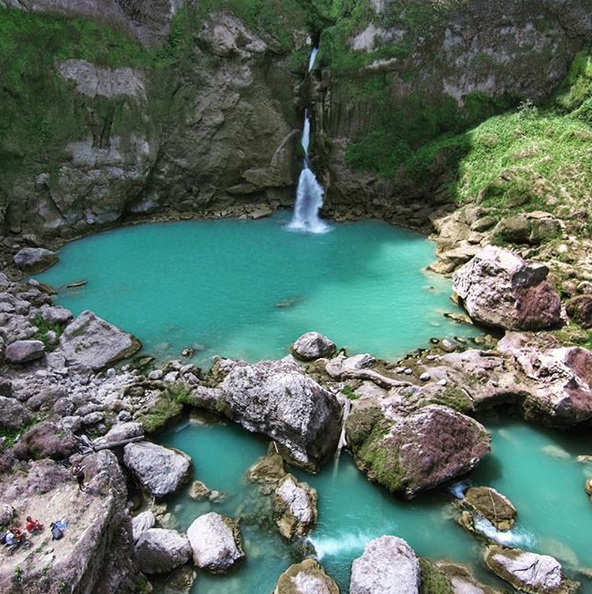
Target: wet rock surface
pixel 295 507
pixel 485 502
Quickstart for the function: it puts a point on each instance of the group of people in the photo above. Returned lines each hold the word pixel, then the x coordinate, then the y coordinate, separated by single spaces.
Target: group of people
pixel 15 536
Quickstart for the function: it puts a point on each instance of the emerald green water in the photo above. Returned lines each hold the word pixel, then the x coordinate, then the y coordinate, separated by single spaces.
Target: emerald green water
pixel 555 515
pixel 248 289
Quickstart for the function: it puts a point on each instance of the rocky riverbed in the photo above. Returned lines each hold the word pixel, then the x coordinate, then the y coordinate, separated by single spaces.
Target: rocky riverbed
pixel 408 424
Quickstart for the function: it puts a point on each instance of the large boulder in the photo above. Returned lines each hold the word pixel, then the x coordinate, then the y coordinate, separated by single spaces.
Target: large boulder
pixel 216 542
pixel 498 288
pixel 529 572
pixel 307 577
pixel 312 345
pixel 94 343
pixel 13 415
pixel 295 507
pixel 161 551
pixel 388 566
pixel 278 399
pixel 33 260
pixel 559 379
pixel 409 452
pixel 46 440
pixel 23 351
pixel 161 471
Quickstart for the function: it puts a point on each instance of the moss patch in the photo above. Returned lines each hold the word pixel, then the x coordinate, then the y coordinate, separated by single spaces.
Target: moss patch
pixel 433 579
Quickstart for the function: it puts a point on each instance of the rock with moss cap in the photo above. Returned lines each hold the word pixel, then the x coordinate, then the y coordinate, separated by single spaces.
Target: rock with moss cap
pixel 409 452
pixel 388 566
pixel 529 572
pixel 488 503
pixel 498 288
pixel 216 542
pixel 307 577
pixel 312 345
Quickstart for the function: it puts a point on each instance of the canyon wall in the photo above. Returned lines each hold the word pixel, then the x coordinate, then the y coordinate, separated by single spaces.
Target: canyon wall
pixel 118 108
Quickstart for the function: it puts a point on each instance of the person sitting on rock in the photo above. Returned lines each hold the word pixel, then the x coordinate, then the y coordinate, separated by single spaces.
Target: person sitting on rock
pixel 14 536
pixel 33 525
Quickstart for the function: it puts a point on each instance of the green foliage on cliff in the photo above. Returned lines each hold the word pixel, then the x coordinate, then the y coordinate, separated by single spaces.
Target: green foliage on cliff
pixel 38 111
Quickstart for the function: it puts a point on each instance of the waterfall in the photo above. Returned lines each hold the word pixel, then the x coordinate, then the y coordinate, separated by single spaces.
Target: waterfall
pixel 309 195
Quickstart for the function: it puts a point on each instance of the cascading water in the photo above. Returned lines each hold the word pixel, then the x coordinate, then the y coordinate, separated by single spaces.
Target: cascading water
pixel 309 195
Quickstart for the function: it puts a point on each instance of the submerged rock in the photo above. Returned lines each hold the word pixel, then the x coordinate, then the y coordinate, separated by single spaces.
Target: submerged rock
pixel 161 551
pixel 33 260
pixel 312 345
pixel 307 577
pixel 95 343
pixel 161 471
pixel 216 542
pixel 529 572
pixel 498 288
pixel 278 399
pixel 388 566
pixel 295 507
pixel 411 452
pixel 490 504
pixel 463 581
pixel 23 351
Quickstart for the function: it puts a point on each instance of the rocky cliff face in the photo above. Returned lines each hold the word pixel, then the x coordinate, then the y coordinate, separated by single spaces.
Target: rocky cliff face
pixel 153 107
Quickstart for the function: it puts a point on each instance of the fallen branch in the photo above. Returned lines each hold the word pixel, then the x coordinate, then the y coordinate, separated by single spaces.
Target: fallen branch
pixel 373 376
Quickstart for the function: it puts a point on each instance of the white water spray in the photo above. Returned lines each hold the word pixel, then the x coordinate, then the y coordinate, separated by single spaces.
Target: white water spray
pixel 512 538
pixel 309 195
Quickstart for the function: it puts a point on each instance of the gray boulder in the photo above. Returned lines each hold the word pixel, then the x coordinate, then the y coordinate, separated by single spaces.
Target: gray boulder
pixel 33 260
pixel 160 551
pixel 216 542
pixel 295 507
pixel 161 471
pixel 95 343
pixel 312 345
pixel 13 415
pixel 498 288
pixel 307 577
pixel 141 523
pixel 388 566
pixel 56 314
pixel 529 572
pixel 278 399
pixel 23 351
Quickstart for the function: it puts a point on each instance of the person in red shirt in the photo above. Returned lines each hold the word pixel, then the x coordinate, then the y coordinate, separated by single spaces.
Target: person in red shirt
pixel 33 525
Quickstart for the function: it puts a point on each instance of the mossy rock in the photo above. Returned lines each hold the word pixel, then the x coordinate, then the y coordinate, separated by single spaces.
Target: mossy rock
pixel 433 579
pixel 163 412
